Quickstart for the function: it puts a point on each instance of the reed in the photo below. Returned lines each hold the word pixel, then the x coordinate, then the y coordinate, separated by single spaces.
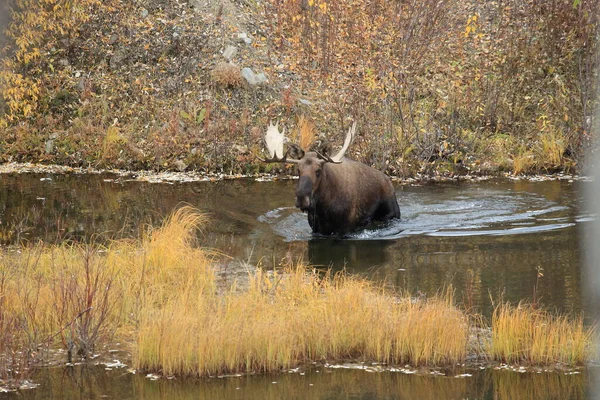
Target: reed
pixel 524 334
pixel 160 295
pixel 296 316
pixel 81 296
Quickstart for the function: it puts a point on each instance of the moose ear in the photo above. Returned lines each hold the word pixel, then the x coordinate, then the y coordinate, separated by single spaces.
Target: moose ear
pixel 295 151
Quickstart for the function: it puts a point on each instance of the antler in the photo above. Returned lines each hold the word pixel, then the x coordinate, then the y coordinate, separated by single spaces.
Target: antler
pixel 340 154
pixel 274 142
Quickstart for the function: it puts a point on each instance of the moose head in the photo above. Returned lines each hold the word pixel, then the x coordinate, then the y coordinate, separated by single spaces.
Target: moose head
pixel 310 164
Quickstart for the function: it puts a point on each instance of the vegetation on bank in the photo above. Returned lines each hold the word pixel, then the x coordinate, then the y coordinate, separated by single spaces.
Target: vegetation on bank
pixel 437 87
pixel 160 295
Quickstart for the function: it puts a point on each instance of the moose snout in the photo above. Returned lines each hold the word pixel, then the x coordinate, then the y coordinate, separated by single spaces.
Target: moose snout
pixel 303 202
pixel 303 191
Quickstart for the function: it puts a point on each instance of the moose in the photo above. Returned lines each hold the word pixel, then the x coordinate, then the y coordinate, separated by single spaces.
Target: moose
pixel 340 195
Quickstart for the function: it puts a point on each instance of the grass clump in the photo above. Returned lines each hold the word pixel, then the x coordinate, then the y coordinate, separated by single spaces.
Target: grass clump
pixel 527 335
pixel 297 316
pixel 80 297
pixel 226 75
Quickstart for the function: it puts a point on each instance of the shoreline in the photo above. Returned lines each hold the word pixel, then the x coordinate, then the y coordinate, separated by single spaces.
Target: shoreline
pixel 193 176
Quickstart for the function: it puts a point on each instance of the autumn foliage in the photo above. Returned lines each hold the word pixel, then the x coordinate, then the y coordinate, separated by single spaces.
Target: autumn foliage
pixel 438 87
pixel 507 83
pixel 32 36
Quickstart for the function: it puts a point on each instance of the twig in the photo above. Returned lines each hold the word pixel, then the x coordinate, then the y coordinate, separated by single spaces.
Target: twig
pixel 69 323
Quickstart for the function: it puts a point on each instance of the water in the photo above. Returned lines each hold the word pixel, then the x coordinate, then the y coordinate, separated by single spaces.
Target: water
pixel 83 382
pixel 486 239
pixel 489 240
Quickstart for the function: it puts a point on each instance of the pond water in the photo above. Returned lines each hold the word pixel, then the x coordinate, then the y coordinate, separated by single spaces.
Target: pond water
pixel 84 382
pixel 489 240
pixel 486 239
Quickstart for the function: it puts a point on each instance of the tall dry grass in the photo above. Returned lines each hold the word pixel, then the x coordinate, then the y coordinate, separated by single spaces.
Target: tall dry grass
pixel 81 296
pixel 526 335
pixel 160 295
pixel 295 316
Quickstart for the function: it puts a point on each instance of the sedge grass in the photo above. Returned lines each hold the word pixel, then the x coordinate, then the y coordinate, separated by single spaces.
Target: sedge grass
pixel 159 294
pixel 524 334
pixel 297 316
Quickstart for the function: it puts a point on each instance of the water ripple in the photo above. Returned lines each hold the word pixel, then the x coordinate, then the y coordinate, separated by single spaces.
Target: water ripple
pixel 451 213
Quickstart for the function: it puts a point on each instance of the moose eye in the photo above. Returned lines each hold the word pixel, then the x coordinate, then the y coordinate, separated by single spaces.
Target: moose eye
pixel 318 173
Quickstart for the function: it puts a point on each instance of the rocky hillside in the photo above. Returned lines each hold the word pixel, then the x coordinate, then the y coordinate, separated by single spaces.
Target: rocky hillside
pixel 438 87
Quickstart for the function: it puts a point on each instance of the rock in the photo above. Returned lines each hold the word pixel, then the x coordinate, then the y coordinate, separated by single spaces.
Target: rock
pixel 49 148
pixel 63 62
pixel 243 37
pixel 136 151
pixel 305 102
pixel 118 59
pixel 144 13
pixel 229 52
pixel 249 76
pixel 261 78
pixel 113 38
pixel 252 78
pixel 180 165
pixel 240 149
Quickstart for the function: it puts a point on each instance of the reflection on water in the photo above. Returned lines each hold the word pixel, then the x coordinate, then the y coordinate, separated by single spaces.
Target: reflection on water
pixel 489 237
pixel 314 383
pixel 551 386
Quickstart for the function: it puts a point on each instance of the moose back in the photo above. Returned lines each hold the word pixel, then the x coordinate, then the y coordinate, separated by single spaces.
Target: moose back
pixel 340 195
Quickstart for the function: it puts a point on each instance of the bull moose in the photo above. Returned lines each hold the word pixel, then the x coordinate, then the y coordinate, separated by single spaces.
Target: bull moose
pixel 340 195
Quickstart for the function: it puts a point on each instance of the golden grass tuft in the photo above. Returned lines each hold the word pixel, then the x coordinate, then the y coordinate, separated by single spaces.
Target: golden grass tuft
pixel 46 290
pixel 305 132
pixel 296 316
pixel 165 261
pixel 527 335
pixel 226 75
pixel 552 146
pixel 523 162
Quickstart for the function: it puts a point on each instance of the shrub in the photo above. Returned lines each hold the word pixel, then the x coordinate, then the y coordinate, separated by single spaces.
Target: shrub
pixel 226 75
